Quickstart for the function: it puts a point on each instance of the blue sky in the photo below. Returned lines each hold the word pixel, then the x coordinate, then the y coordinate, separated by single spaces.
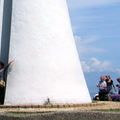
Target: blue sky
pixel 96 28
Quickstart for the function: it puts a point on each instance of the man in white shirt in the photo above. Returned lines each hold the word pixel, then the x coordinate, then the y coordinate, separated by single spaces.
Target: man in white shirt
pixel 102 88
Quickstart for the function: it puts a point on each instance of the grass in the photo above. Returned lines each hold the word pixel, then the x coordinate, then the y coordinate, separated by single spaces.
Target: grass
pixel 109 110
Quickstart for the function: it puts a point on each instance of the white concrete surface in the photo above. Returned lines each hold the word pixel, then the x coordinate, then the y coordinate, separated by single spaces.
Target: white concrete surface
pixel 46 60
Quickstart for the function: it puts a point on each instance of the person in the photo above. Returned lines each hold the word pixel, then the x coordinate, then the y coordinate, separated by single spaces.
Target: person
pixel 102 88
pixel 118 85
pixel 110 84
pixel 2 72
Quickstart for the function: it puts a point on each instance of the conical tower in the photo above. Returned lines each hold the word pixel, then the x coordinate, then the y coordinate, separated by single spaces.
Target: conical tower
pixel 46 60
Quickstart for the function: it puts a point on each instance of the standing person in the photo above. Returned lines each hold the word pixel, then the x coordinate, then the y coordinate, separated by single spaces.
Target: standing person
pixel 2 72
pixel 110 84
pixel 102 88
pixel 118 85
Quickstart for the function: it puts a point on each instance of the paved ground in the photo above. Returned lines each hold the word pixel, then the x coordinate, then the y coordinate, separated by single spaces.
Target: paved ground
pixel 68 112
pixel 76 115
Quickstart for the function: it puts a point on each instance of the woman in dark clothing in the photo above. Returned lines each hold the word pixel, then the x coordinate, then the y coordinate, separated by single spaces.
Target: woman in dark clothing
pixel 110 85
pixel 2 73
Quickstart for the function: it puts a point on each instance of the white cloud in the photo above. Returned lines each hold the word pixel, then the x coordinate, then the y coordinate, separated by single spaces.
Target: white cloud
pixel 78 38
pixel 83 45
pixel 89 3
pixel 118 70
pixel 85 66
pixel 91 39
pixel 94 65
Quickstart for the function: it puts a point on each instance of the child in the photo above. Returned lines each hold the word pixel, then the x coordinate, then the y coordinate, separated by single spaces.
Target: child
pixel 118 85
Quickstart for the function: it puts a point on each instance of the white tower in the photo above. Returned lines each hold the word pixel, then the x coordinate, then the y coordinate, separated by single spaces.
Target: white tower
pixel 46 60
